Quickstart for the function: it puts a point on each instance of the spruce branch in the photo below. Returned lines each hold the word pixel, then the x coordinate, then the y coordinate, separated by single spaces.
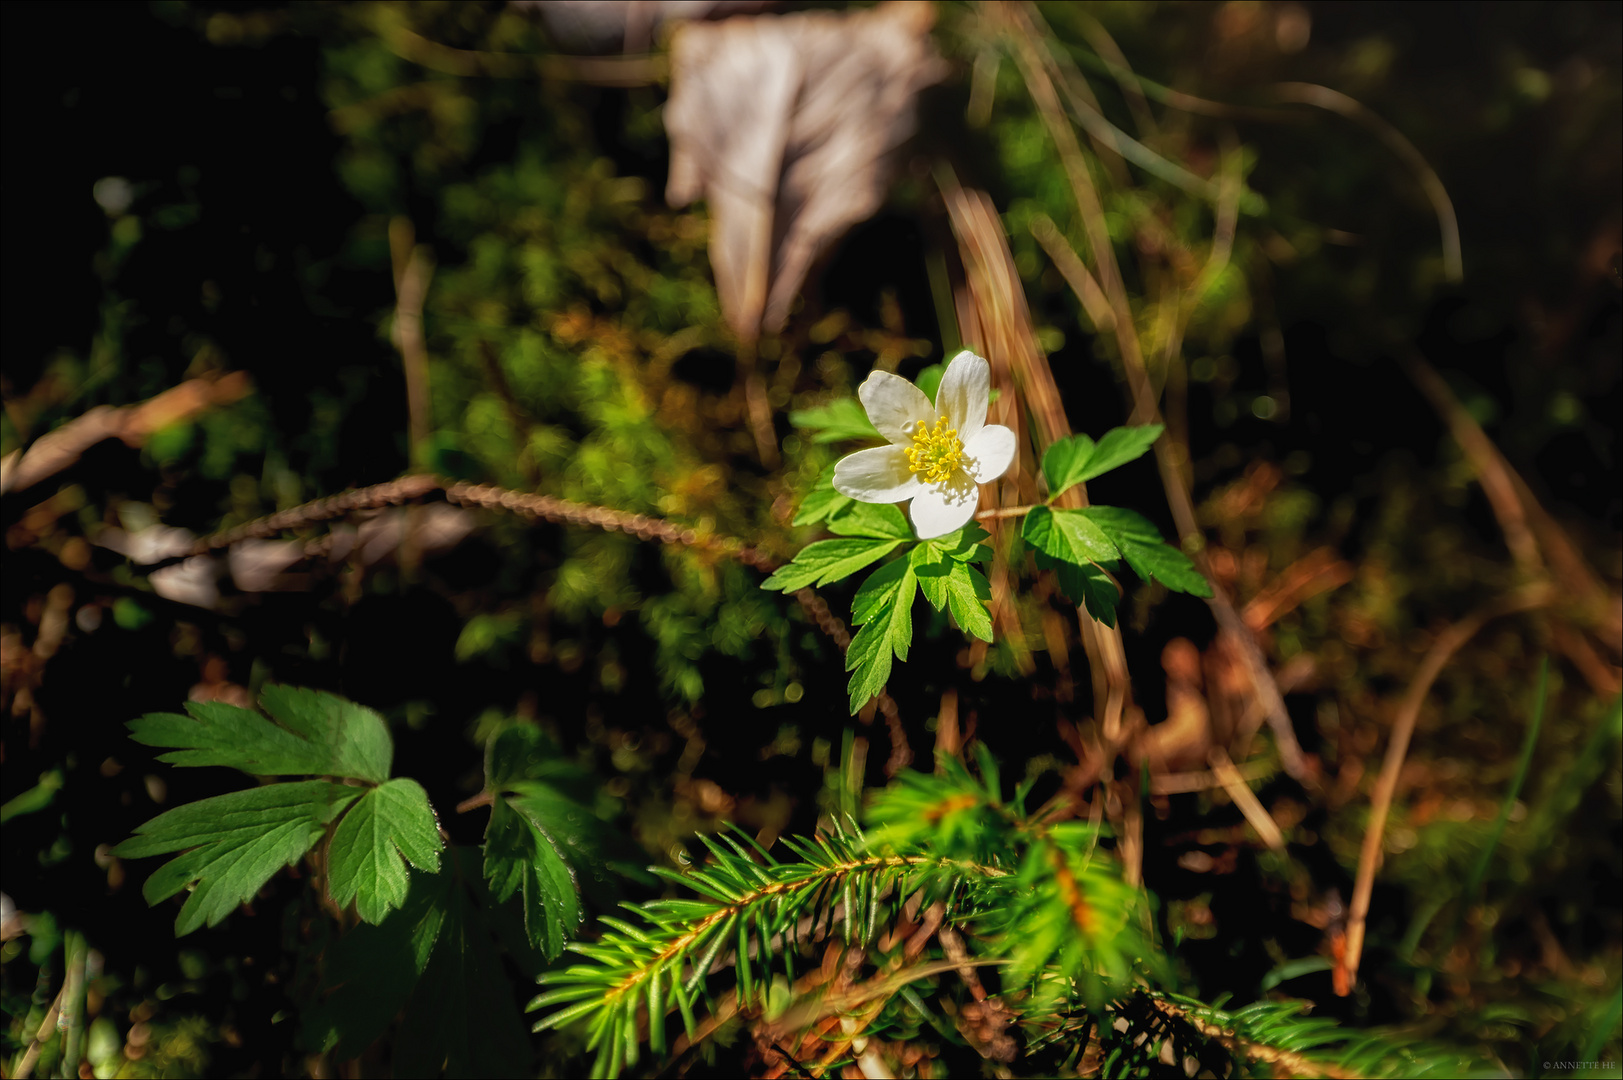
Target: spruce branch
pixel 756 911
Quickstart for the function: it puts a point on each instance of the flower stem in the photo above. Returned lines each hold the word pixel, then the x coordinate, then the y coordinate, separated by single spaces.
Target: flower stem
pixel 1004 512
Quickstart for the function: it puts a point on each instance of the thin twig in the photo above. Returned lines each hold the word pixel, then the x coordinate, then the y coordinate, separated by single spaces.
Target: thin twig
pixel 1041 86
pixel 1531 534
pixel 412 271
pixel 1106 47
pixel 468 63
pixel 58 449
pixel 1000 512
pixel 1335 101
pixel 1075 272
pixel 1447 644
pixel 25 1067
pixel 1183 783
pixel 1249 805
pixel 412 488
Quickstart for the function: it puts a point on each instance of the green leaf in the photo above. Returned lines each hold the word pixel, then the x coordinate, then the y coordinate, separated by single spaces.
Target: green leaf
pixel 521 860
pixel 827 561
pixel 968 595
pixel 1064 461
pixel 369 973
pixel 1078 459
pixel 364 860
pixel 233 844
pixel 1086 584
pixel 883 587
pixel 932 567
pixel 929 380
pixel 319 735
pixel 356 738
pixel 947 582
pixel 515 753
pixel 837 421
pixel 1068 535
pixel 1140 543
pixel 880 520
pixel 883 607
pixel 1120 445
pixel 590 845
pixel 35 798
pixel 821 504
pixel 964 545
pixel 822 501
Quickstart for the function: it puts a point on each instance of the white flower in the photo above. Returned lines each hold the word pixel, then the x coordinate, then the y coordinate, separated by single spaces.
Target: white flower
pixel 938 454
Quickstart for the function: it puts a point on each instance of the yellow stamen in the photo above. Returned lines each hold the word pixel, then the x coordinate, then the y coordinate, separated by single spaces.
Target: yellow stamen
pixel 937 452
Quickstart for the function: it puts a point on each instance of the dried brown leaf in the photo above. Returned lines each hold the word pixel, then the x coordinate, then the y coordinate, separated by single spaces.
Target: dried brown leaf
pixel 788 125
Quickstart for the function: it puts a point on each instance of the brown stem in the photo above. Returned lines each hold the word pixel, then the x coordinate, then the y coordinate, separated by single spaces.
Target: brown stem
pixel 1447 644
pixel 25 1067
pixel 1248 803
pixel 1041 86
pixel 1001 512
pixel 1530 532
pixel 468 63
pixel 412 271
pixel 1335 101
pixel 57 450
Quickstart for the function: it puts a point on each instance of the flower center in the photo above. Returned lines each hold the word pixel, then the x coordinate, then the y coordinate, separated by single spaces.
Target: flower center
pixel 937 453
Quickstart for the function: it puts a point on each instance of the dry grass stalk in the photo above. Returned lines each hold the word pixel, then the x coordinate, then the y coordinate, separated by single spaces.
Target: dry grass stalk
pixel 1039 81
pixel 413 270
pixel 1527 598
pixel 1002 324
pixel 134 424
pixel 1533 536
pixel 1237 789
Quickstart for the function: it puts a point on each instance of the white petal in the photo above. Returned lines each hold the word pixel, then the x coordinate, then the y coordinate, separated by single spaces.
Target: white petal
pixel 879 475
pixel 895 406
pixel 990 453
pixel 965 391
pixel 941 508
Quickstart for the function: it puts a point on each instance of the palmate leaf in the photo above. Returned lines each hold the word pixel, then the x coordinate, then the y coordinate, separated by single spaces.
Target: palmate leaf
pixel 1141 545
pixel 948 582
pixel 827 561
pixel 317 734
pixel 822 501
pixel 364 861
pixel 524 752
pixel 520 860
pixel 964 545
pixel 233 844
pixel 1077 459
pixel 544 850
pixel 883 607
pixel 878 520
pixel 1068 535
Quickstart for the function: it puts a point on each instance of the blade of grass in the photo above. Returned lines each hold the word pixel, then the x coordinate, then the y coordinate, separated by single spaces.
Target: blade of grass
pixel 1540 698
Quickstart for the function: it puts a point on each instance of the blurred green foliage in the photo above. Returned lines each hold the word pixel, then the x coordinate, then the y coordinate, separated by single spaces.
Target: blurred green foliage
pixel 237 189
